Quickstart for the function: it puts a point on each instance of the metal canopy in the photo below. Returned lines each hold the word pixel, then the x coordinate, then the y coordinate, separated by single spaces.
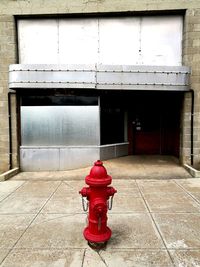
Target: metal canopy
pixel 104 77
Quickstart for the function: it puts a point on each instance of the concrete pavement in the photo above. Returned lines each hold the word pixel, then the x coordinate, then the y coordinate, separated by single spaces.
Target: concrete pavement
pixel 128 167
pixel 154 223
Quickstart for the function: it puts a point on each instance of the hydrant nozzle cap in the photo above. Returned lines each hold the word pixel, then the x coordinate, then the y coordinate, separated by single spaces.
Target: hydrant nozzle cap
pixel 98 163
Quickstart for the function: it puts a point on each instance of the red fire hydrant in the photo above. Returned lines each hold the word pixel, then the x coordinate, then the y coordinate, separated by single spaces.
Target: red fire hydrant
pixel 97 194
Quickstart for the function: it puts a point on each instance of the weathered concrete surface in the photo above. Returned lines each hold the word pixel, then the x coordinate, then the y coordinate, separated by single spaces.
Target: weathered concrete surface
pixel 20 7
pixel 154 223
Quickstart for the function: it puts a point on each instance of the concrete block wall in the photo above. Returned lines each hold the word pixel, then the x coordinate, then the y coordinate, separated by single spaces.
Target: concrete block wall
pixel 185 139
pixel 7 57
pixel 191 56
pixel 15 151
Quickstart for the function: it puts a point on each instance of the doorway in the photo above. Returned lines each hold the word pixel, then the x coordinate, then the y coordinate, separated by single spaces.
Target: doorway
pixel 154 124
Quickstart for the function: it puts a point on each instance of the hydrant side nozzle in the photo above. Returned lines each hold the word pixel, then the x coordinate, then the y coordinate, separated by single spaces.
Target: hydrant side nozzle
pixel 111 191
pixel 85 191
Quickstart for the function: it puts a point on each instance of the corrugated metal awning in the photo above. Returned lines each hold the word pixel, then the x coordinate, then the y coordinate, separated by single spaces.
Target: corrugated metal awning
pixel 104 77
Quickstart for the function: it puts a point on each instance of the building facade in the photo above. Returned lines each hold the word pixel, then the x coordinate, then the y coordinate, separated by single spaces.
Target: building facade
pixel 82 80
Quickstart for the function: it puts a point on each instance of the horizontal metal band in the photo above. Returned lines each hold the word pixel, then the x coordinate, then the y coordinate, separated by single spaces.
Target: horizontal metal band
pixel 173 78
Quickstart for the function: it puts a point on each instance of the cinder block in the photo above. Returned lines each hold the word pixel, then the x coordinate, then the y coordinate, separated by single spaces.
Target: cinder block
pixel 4 166
pixel 15 160
pixel 3 123
pixel 194 19
pixel 191 50
pixel 196 42
pixel 186 130
pixel 186 151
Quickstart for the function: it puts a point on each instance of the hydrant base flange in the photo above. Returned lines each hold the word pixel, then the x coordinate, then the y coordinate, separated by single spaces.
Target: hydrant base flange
pixel 97 238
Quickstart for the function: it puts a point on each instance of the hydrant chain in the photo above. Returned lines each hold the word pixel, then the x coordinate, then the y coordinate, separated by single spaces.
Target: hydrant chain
pixel 99 223
pixel 110 203
pixel 85 206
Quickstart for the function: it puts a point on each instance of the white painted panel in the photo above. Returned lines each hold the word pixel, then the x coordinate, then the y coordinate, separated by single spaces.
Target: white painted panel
pixel 57 159
pixel 78 157
pixel 39 159
pixel 119 40
pixel 161 40
pixel 78 41
pixel 150 40
pixel 38 41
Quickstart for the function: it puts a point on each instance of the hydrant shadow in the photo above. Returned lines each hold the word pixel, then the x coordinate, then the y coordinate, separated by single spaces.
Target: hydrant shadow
pixel 98 246
pixel 114 240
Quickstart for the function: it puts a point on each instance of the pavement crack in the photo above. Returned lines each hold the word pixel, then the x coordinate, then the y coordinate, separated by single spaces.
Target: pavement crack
pixel 102 259
pixel 1 262
pixel 13 191
pixel 187 192
pixel 83 257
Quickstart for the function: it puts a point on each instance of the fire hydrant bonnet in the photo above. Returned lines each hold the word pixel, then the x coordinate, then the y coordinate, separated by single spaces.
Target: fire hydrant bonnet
pixel 98 175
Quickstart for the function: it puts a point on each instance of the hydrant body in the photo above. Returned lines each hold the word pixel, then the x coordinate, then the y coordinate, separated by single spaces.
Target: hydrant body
pixel 97 194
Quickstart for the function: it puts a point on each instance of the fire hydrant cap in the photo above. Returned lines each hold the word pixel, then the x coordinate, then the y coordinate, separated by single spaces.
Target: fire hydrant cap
pixel 98 175
pixel 98 163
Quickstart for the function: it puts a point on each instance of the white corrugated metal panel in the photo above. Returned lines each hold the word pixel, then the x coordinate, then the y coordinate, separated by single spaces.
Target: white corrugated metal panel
pixel 150 40
pixel 119 41
pixel 38 42
pixel 161 40
pixel 78 41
